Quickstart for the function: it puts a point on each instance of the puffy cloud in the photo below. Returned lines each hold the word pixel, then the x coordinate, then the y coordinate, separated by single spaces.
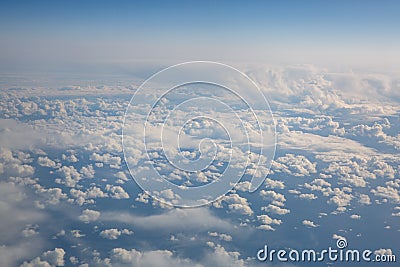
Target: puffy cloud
pixel 355 217
pixel 309 223
pixel 383 251
pixel 87 171
pixel 48 259
pixel 113 161
pixel 121 176
pixel 336 236
pixel 37 262
pixel 308 196
pixel 267 222
pixel 55 257
pixel 77 233
pixel 110 233
pixel 52 196
pixel 221 257
pixel 272 195
pixel 70 176
pixel 364 199
pixel 297 165
pixel 387 193
pixel 235 203
pixel 30 230
pixel 275 209
pixel 223 237
pixel 88 215
pixel 124 257
pixel 116 191
pixel 114 233
pixel 340 198
pixel 272 184
pixel 82 197
pixel 46 162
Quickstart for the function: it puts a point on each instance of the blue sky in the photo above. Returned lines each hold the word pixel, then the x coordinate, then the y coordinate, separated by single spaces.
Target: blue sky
pixel 320 32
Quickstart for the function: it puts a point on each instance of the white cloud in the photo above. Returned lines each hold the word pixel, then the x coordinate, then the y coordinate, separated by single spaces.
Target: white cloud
pixel 308 196
pixel 383 251
pixel 162 258
pixel 48 259
pixel 114 233
pixel 111 234
pixel 387 193
pixel 364 199
pixel 235 203
pixel 224 237
pixel 297 165
pixel 272 195
pixel 117 191
pixel 266 222
pixel 272 184
pixel 175 219
pixel 88 216
pixel 46 162
pixel 275 209
pixel 309 223
pixel 55 257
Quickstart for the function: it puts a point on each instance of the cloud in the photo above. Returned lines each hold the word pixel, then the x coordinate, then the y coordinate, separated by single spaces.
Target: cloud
pixel 308 196
pixel 46 162
pixel 117 191
pixel 267 222
pixel 309 223
pixel 18 135
pixel 275 209
pixel 162 258
pixel 387 193
pixel 297 165
pixel 383 251
pixel 55 257
pixel 223 237
pixel 48 259
pixel 88 215
pixel 272 184
pixel 235 204
pixel 19 220
pixel 114 233
pixel 175 219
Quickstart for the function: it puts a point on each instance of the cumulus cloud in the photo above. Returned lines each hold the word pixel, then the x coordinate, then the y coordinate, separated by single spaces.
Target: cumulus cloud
pixel 309 223
pixel 275 209
pixel 114 233
pixel 387 192
pixel 48 259
pixel 117 191
pixel 224 237
pixel 267 222
pixel 235 204
pixel 133 257
pixel 297 165
pixel 88 215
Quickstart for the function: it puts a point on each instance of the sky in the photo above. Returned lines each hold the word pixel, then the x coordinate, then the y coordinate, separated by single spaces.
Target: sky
pixel 52 33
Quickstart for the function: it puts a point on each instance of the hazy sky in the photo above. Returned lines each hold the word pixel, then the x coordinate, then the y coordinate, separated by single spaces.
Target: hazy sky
pixel 269 32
